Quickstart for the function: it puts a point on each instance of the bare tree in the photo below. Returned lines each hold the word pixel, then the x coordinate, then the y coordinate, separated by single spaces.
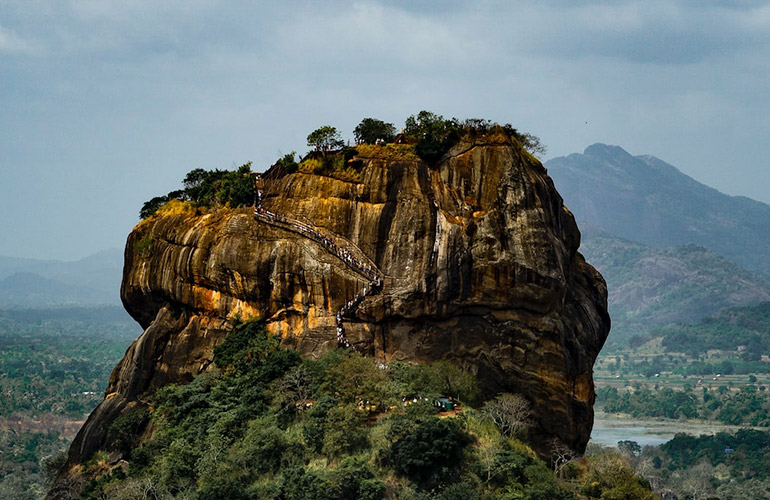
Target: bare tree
pixel 696 481
pixel 509 412
pixel 489 454
pixel 561 455
pixel 133 489
pixel 532 144
pixel 296 388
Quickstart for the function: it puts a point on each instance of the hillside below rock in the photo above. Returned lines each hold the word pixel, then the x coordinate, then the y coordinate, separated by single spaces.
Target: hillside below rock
pixel 479 265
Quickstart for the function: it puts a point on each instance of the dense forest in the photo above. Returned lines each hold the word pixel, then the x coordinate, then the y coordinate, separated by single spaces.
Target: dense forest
pixel 57 360
pixel 745 406
pixel 726 466
pixel 267 424
pixel 54 365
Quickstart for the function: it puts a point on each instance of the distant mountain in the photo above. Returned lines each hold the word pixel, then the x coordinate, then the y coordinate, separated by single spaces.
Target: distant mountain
pixel 39 283
pixel 646 200
pixel 33 290
pixel 650 287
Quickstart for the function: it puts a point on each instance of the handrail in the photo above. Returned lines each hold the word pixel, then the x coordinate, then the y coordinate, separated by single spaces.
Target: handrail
pixel 341 250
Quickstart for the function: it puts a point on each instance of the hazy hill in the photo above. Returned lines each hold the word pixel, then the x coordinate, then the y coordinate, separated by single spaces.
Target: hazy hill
pixel 650 287
pixel 745 329
pixel 644 199
pixel 36 283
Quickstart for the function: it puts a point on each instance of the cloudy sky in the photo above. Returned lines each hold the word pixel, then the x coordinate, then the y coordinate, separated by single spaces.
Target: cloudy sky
pixel 105 104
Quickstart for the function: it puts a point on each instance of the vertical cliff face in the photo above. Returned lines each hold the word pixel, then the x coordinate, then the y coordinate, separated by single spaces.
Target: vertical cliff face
pixel 479 263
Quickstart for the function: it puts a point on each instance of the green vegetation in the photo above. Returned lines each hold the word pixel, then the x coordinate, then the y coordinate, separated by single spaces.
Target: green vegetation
pixel 209 188
pixel 746 406
pixel 288 162
pixel 721 466
pixel 57 361
pixel 373 131
pixel 325 139
pixel 434 135
pixel 24 456
pixel 54 365
pixel 390 152
pixel 745 330
pixel 144 246
pixel 266 424
pixel 427 135
pixel 341 165
pixel 714 370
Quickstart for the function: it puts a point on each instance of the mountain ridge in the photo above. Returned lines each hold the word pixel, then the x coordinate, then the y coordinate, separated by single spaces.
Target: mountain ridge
pixel 644 199
pixel 92 280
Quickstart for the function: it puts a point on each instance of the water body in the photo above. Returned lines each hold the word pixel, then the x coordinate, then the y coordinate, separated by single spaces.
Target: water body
pixel 609 429
pixel 607 433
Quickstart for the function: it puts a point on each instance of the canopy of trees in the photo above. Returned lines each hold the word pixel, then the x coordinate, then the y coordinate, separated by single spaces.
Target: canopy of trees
pixel 233 188
pixel 267 425
pixel 372 131
pixel 325 139
pixel 432 136
pixel 435 134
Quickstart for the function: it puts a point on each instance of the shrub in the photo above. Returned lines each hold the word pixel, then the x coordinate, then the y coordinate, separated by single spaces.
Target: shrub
pixel 391 152
pixel 344 431
pixel 339 165
pixel 311 166
pixel 209 188
pixel 434 135
pixel 144 246
pixel 288 162
pixel 357 379
pixel 261 448
pixel 177 467
pixel 459 491
pixel 248 344
pixel 307 484
pixel 431 453
pixel 224 487
pixel 124 430
pixel 151 206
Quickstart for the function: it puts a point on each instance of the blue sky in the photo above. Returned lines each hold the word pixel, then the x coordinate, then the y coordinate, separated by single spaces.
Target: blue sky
pixel 105 104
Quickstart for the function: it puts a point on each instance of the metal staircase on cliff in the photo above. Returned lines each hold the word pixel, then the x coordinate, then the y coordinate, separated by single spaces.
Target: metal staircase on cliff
pixel 352 256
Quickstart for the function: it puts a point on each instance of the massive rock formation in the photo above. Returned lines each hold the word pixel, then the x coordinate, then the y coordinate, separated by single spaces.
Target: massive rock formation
pixel 479 263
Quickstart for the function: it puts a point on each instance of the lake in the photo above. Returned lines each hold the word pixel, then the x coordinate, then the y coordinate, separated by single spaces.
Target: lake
pixel 609 429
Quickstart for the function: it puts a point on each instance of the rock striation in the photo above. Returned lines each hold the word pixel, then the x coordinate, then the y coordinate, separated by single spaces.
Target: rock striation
pixel 479 265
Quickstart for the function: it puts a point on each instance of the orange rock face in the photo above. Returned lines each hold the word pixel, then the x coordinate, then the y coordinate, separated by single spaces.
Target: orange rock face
pixel 479 263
